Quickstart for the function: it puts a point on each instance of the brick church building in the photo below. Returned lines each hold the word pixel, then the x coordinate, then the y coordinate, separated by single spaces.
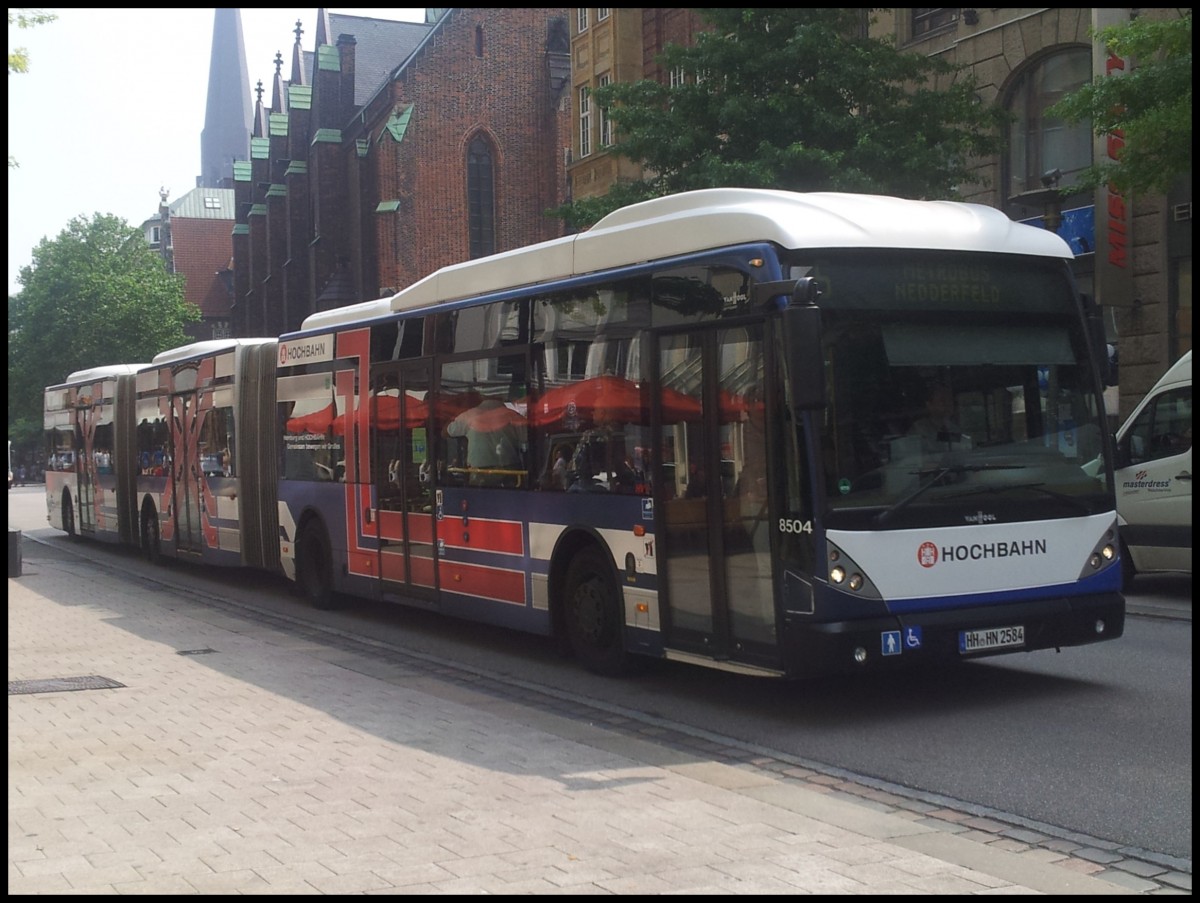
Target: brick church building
pixel 394 148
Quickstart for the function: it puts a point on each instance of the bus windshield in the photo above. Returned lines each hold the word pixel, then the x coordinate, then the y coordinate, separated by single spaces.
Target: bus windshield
pixel 959 388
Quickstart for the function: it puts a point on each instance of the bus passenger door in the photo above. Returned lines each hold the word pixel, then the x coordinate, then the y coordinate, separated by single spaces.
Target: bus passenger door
pixel 401 453
pixel 712 497
pixel 185 472
pixel 85 468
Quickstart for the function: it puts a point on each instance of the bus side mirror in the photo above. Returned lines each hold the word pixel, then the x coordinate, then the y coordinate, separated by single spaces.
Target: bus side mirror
pixel 800 320
pixel 805 360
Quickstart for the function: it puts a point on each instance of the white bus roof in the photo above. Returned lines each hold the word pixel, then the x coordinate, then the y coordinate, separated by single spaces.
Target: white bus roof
pixel 718 217
pixel 200 349
pixel 91 374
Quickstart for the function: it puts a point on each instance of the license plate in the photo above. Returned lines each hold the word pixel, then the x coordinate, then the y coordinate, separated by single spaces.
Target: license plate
pixel 991 638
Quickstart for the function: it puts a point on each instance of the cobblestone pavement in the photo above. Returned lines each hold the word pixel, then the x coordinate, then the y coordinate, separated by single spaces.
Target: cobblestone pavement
pixel 248 752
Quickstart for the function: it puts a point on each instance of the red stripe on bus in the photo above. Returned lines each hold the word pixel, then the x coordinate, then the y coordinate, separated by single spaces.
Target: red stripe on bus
pixel 490 583
pixel 483 535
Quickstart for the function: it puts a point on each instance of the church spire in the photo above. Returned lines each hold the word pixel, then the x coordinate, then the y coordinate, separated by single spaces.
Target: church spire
pixel 227 117
pixel 298 58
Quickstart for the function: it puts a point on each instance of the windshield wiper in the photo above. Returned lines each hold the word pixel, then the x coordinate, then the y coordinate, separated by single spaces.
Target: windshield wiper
pixel 1035 487
pixel 938 475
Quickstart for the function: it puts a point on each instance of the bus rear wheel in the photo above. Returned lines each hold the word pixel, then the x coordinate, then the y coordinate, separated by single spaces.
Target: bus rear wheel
pixel 314 567
pixel 592 615
pixel 151 541
pixel 68 515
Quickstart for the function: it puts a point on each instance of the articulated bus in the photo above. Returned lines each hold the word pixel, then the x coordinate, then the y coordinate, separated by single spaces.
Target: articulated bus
pixel 154 454
pixel 700 431
pixel 88 423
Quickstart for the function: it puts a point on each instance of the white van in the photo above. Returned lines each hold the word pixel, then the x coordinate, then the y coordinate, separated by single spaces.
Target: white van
pixel 1153 470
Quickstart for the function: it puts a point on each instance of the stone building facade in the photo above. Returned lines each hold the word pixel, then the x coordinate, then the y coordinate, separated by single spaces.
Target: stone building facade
pixel 1025 59
pixel 1138 267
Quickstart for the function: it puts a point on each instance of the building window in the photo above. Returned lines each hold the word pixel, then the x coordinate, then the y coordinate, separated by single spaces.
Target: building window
pixel 1040 144
pixel 606 128
pixel 585 121
pixel 601 13
pixel 212 203
pixel 676 77
pixel 479 40
pixel 930 19
pixel 155 234
pixel 481 198
pixel 581 19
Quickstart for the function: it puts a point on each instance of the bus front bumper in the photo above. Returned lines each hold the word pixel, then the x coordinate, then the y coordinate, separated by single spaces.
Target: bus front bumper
pixel 931 637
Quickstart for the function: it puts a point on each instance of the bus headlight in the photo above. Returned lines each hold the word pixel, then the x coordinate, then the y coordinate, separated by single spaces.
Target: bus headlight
pixel 1103 554
pixel 846 574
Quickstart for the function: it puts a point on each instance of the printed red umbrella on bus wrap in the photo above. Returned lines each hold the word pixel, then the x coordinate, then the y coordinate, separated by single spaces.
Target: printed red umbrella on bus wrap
pixel 446 406
pixel 609 398
pixel 386 414
pixel 311 415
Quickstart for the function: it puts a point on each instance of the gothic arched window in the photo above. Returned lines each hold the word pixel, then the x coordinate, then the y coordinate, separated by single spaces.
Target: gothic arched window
pixel 481 198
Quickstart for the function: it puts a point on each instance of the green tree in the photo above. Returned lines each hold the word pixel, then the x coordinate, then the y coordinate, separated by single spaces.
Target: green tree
pixel 95 295
pixel 799 99
pixel 1148 107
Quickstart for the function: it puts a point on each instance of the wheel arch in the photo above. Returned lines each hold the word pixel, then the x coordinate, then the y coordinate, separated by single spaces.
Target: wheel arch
pixel 572 541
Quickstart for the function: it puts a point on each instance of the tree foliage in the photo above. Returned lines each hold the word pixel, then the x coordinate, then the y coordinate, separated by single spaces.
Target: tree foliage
pixel 799 99
pixel 1148 107
pixel 18 57
pixel 95 295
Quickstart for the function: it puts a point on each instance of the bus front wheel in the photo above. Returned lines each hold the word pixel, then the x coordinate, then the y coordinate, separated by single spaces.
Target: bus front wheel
pixel 592 615
pixel 314 567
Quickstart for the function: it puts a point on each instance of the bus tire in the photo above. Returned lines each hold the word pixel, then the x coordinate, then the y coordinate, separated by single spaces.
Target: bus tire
pixel 314 567
pixel 592 615
pixel 68 515
pixel 151 539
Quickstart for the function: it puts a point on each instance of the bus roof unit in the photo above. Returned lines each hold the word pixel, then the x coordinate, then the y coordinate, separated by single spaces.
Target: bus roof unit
pixel 107 372
pixel 717 217
pixel 198 349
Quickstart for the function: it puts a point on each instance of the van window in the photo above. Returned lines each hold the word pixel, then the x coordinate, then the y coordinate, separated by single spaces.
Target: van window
pixel 1163 428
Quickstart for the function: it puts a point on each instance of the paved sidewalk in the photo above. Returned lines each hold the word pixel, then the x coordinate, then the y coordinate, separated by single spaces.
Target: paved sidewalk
pixel 240 757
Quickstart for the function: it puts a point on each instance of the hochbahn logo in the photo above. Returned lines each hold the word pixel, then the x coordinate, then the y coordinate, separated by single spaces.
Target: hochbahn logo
pixel 929 553
pixel 306 351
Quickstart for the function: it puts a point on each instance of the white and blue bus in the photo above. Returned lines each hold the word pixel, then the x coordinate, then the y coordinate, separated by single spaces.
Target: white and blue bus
pixel 776 433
